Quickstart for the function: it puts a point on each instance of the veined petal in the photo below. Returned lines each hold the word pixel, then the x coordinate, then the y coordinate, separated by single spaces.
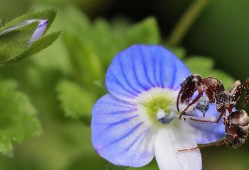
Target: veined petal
pixel 169 141
pixel 141 67
pixel 119 133
pixel 208 132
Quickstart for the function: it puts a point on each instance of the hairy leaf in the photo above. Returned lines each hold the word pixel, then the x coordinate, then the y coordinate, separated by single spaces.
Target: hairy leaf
pixel 76 102
pixel 18 119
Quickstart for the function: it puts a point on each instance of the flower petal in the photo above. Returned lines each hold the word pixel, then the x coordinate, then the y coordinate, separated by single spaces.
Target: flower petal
pixel 169 141
pixel 119 134
pixel 141 67
pixel 208 132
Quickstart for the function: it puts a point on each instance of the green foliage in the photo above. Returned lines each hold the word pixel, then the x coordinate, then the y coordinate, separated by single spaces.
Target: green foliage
pixel 93 45
pixel 76 102
pixel 180 52
pixel 37 46
pixel 14 44
pixel 66 79
pixel 18 120
pixel 44 14
pixel 199 64
pixel 145 32
pixel 18 116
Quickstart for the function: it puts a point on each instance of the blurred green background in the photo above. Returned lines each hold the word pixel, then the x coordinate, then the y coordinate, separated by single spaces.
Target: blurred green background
pixel 93 32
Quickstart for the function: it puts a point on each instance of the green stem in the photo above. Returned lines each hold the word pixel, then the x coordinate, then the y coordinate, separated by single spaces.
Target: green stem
pixel 186 22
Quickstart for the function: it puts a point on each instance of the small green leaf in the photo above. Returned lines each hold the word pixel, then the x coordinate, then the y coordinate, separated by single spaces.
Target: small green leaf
pixel 48 14
pixel 180 52
pixel 76 102
pixel 145 32
pixel 38 45
pixel 35 47
pixel 18 121
pixel 198 64
pixel 93 45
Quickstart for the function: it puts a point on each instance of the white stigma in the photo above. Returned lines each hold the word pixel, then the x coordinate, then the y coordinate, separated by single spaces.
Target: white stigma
pixel 160 114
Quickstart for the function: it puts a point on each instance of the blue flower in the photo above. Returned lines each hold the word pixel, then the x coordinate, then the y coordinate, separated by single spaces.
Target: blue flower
pixel 138 120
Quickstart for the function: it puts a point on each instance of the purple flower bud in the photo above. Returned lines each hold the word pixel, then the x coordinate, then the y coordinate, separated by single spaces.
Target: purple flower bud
pixel 39 31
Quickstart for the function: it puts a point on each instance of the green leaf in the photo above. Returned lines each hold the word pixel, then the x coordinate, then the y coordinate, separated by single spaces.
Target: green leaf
pixel 48 14
pixel 18 121
pixel 76 102
pixel 53 58
pixel 199 64
pixel 145 32
pixel 37 46
pixel 180 52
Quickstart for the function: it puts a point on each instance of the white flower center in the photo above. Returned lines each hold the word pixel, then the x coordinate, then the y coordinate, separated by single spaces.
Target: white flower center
pixel 159 104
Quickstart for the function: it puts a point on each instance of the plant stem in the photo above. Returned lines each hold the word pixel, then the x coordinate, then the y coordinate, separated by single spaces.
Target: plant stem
pixel 186 21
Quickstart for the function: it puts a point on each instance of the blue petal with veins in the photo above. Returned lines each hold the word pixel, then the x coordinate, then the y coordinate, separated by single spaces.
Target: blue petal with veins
pixel 142 67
